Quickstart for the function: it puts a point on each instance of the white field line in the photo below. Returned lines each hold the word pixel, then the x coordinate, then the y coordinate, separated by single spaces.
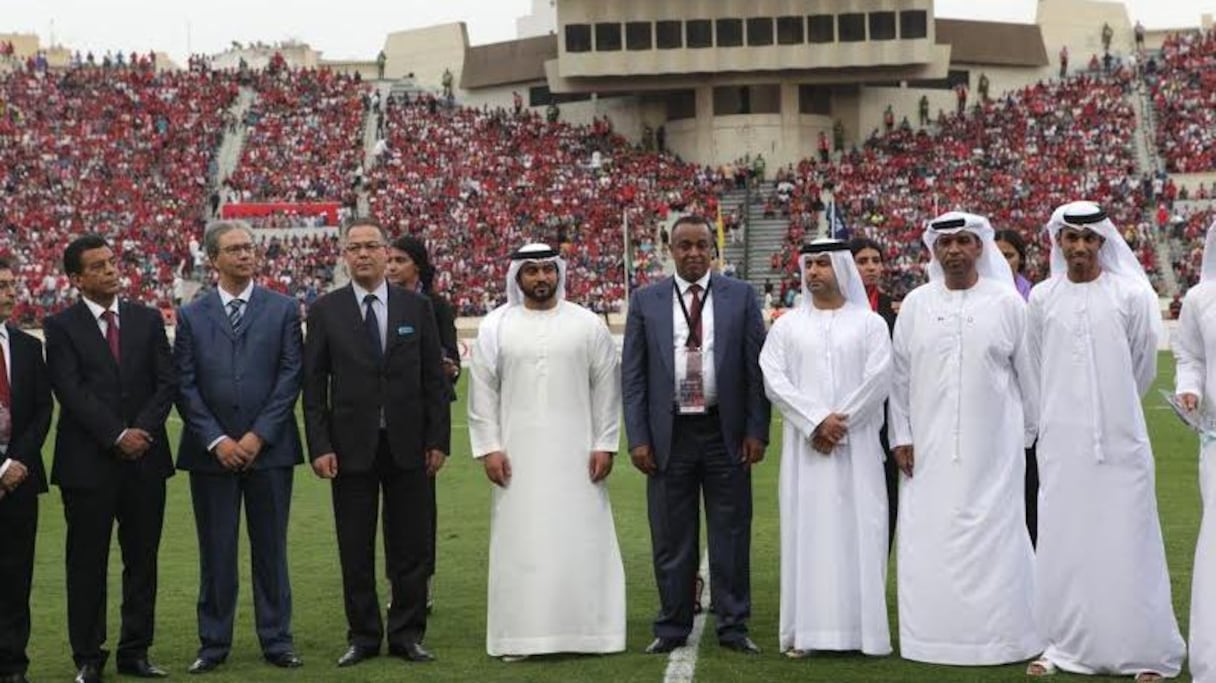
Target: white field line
pixel 682 664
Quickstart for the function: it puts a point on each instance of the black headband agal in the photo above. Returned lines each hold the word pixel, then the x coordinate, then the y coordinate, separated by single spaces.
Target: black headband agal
pixel 1087 219
pixel 534 254
pixel 825 247
pixel 949 224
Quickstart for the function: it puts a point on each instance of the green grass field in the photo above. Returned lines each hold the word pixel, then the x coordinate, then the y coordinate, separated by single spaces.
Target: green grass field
pixel 457 628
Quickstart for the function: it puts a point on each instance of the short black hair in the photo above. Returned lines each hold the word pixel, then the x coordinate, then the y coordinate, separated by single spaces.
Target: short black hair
pixel 1015 240
pixel 860 244
pixel 5 264
pixel 692 219
pixel 364 223
pixel 72 255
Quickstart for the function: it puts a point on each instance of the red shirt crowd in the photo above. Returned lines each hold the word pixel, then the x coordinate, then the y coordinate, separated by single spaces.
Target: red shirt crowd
pixel 1184 97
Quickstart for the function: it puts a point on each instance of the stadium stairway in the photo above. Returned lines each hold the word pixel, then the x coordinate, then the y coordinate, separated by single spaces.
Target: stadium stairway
pixel 1148 161
pixel 229 154
pixel 765 237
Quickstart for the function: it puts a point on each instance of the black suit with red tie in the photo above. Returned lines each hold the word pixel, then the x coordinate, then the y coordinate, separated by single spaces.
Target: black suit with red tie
pixel 26 393
pixel 101 395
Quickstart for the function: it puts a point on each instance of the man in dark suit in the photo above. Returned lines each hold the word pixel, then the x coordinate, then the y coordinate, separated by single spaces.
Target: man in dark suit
pixel 409 267
pixel 25 417
pixel 376 417
pixel 239 357
pixel 112 371
pixel 697 420
pixel 867 254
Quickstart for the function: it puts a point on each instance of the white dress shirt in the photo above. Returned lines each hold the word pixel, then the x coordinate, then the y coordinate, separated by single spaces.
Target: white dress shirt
pixel 225 300
pixel 97 310
pixel 380 306
pixel 707 333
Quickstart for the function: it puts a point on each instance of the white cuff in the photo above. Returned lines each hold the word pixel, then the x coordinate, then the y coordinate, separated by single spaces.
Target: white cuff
pixel 120 435
pixel 5 465
pixel 211 446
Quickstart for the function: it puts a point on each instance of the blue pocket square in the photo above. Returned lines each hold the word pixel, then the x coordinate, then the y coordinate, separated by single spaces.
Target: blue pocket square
pixel 405 330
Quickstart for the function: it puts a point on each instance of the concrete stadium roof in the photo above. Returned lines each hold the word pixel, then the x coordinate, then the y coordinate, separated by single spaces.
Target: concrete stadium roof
pixel 971 42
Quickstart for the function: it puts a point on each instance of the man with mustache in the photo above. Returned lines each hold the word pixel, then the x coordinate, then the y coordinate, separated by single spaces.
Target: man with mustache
pixel 697 420
pixel 958 430
pixel 543 395
pixel 1102 586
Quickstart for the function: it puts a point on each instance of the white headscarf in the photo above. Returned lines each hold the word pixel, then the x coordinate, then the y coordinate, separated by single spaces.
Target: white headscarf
pixel 487 334
pixel 991 264
pixel 1114 256
pixel 848 279
pixel 1208 273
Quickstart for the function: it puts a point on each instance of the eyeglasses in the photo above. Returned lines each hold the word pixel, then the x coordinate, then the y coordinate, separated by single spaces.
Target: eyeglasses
pixel 356 247
pixel 239 249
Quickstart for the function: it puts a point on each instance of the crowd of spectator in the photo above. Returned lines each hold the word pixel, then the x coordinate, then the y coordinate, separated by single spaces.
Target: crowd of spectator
pixel 305 140
pixel 1012 159
pixel 1184 96
pixel 125 152
pixel 475 184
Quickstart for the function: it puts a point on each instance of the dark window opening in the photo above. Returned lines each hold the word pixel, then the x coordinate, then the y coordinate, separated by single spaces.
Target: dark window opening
pixel 747 99
pixel 760 31
pixel 578 37
pixel 730 32
pixel 882 26
pixel 681 104
pixel 821 28
pixel 815 99
pixel 913 24
pixel 699 33
pixel 539 96
pixel 607 37
pixel 638 35
pixel 852 27
pixel 790 31
pixel 669 35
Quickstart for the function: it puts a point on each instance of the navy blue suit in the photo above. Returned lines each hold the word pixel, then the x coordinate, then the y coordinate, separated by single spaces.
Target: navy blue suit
pixel 695 453
pixel 232 382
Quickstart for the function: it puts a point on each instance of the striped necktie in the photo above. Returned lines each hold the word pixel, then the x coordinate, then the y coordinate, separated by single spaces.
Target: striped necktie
pixel 235 313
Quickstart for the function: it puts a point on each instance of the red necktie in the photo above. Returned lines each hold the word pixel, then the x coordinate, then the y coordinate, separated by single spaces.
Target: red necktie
pixel 6 398
pixel 111 333
pixel 694 317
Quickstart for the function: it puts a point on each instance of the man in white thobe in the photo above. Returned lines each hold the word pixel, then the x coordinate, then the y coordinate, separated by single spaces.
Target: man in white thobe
pixel 543 417
pixel 1102 588
pixel 958 432
pixel 827 367
pixel 1194 344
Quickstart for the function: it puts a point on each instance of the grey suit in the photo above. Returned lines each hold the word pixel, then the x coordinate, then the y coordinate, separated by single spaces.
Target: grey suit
pixel 697 453
pixel 232 382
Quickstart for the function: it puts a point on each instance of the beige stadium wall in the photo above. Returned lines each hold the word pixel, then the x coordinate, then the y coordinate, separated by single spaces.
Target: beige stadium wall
pixel 1078 24
pixel 426 52
pixel 629 114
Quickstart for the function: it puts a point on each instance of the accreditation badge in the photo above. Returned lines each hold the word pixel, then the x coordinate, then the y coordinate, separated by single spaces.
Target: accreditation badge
pixel 691 399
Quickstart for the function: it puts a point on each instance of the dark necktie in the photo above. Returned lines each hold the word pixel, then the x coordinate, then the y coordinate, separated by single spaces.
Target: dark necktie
pixel 234 313
pixel 371 325
pixel 694 318
pixel 111 333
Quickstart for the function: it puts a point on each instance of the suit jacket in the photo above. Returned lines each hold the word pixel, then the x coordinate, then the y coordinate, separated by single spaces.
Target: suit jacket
pixel 345 387
pixel 648 365
pixel 232 383
pixel 98 399
pixel 887 311
pixel 445 318
pixel 30 392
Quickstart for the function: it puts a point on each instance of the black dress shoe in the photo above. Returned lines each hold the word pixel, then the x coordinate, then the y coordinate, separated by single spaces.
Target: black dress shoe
pixel 356 654
pixel 203 665
pixel 285 660
pixel 413 652
pixel 141 668
pixel 743 645
pixel 89 673
pixel 662 646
